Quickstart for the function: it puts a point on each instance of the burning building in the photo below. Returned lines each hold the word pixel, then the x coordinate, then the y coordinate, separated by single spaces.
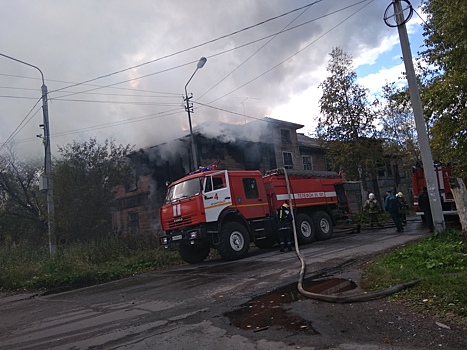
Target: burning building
pixel 261 145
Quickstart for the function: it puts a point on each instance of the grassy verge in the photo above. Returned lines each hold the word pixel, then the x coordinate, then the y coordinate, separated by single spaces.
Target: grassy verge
pixel 440 262
pixel 77 265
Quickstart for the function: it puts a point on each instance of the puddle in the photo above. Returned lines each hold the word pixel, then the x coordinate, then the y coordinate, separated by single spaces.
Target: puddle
pixel 267 310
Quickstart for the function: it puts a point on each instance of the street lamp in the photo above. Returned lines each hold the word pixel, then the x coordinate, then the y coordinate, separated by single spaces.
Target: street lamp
pixel 188 108
pixel 48 186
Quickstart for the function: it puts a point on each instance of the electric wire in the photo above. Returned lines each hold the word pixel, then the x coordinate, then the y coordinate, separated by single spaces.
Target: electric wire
pixel 21 125
pixel 254 53
pixel 192 47
pixel 163 94
pixel 110 124
pixel 299 51
pixel 211 56
pixel 191 62
pixel 142 118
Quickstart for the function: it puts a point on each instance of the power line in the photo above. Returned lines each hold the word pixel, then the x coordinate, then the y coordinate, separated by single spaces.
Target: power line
pixel 19 127
pixel 140 103
pixel 172 94
pixel 161 114
pixel 112 124
pixel 304 48
pixel 254 53
pixel 215 55
pixel 191 48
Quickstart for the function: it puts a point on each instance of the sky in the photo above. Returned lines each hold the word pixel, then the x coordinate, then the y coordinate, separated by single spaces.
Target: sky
pixel 117 69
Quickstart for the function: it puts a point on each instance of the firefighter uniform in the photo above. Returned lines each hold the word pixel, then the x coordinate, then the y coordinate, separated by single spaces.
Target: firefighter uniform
pixel 373 209
pixel 285 219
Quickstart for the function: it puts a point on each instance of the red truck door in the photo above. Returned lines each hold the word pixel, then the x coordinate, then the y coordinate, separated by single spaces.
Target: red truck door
pixel 216 194
pixel 249 195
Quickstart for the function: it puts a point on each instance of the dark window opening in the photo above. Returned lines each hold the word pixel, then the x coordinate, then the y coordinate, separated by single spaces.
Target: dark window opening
pixel 133 223
pixel 251 188
pixel 288 162
pixel 285 136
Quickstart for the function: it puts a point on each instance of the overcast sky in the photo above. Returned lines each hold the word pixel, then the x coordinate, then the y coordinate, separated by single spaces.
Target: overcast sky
pixel 118 68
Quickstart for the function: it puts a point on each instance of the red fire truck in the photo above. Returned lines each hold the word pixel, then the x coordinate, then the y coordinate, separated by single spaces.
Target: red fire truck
pixel 227 210
pixel 443 173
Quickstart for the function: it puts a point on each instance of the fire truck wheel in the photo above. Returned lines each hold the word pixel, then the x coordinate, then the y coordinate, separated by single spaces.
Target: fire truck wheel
pixel 234 241
pixel 193 253
pixel 305 229
pixel 323 225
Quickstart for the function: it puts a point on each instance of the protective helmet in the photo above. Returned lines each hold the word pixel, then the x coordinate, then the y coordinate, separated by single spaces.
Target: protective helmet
pixel 400 194
pixel 371 196
pixel 285 205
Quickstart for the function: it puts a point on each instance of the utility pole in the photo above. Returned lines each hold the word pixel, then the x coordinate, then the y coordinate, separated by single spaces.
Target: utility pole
pixel 48 186
pixel 189 109
pixel 425 151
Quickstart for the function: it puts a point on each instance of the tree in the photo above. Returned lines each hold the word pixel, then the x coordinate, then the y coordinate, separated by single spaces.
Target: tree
pixel 445 77
pixel 398 125
pixel 347 122
pixel 23 211
pixel 444 91
pixel 84 177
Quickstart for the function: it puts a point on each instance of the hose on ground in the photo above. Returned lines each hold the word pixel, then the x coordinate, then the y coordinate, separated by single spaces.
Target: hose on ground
pixel 341 299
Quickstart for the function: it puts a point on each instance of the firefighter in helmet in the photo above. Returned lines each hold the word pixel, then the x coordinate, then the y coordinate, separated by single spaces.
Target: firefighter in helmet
pixel 373 209
pixel 285 219
pixel 403 208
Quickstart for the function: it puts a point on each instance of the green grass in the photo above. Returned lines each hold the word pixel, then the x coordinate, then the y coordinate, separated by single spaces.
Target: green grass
pixel 77 265
pixel 440 263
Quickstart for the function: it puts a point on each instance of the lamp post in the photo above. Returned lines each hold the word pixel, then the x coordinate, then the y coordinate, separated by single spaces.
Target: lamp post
pixel 188 108
pixel 48 159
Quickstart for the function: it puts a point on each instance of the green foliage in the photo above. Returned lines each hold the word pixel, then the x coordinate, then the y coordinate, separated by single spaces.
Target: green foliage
pixel 346 122
pixel 398 125
pixel 444 92
pixel 84 177
pixel 440 262
pixel 82 264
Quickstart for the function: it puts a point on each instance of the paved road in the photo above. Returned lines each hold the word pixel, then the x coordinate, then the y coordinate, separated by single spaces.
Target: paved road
pixel 184 307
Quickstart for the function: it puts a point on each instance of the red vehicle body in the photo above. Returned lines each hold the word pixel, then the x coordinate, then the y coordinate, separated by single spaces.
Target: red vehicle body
pixel 227 210
pixel 443 173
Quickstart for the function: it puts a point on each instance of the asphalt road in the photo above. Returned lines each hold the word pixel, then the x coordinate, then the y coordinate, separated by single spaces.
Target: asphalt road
pixel 212 305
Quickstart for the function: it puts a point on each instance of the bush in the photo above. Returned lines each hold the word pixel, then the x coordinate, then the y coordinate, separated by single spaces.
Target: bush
pixel 82 264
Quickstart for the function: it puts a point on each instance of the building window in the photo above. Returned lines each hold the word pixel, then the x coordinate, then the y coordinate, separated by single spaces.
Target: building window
pixel 285 136
pixel 133 223
pixel 307 163
pixel 288 163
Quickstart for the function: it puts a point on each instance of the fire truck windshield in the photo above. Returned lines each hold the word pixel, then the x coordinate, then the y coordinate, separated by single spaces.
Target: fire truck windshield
pixel 183 189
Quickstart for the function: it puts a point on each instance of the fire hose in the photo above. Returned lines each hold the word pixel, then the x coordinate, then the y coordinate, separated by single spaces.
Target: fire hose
pixel 341 299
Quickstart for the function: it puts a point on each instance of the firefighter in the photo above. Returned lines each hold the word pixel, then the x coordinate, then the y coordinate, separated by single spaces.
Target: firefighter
pixel 392 205
pixel 284 216
pixel 403 208
pixel 373 209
